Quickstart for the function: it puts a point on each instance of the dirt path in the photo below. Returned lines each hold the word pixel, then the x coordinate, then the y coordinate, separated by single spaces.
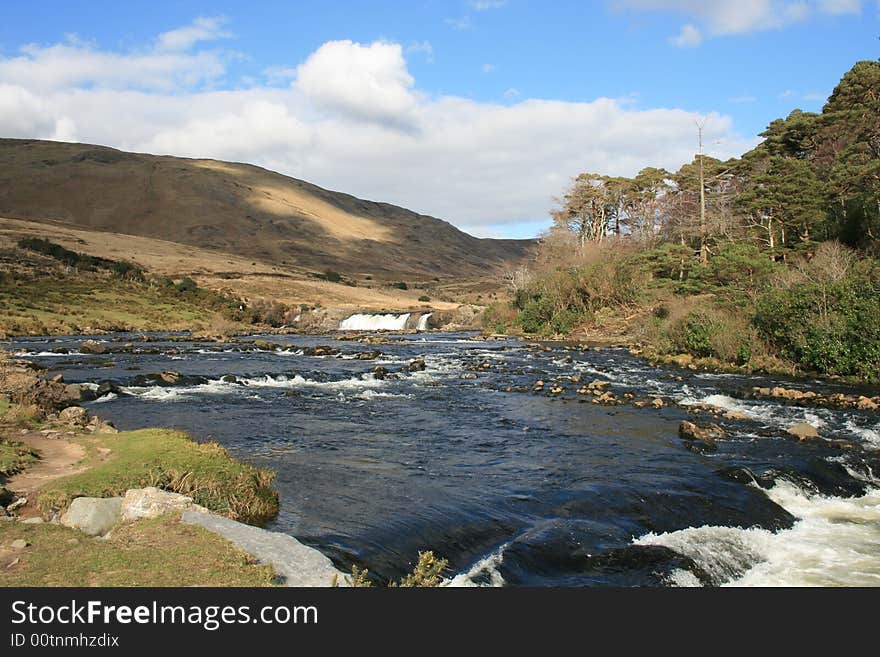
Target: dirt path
pixel 58 458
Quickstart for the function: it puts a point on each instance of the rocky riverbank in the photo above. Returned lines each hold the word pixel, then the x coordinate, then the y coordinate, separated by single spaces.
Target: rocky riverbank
pixel 72 453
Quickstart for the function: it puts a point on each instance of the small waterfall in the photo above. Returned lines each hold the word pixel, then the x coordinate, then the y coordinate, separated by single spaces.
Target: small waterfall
pixel 375 322
pixel 423 322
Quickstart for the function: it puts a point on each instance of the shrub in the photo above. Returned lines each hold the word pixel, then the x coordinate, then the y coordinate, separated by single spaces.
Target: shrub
pixel 831 327
pixel 186 285
pixel 400 286
pixel 332 276
pixel 424 298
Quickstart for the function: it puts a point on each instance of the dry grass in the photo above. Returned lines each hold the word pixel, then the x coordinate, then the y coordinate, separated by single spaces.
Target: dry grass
pixel 159 552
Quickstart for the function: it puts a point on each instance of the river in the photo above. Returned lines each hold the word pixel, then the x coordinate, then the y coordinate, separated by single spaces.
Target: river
pixel 513 487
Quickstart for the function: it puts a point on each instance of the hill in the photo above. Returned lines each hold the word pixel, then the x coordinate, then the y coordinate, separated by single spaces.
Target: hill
pixel 238 209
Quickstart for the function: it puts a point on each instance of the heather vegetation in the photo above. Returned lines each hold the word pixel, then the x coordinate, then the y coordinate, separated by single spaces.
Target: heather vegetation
pixel 46 288
pixel 767 261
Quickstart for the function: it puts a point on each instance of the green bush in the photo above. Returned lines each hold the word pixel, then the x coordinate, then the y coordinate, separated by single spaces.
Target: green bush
pixel 694 334
pixel 186 284
pixel 424 298
pixel 400 286
pixel 828 327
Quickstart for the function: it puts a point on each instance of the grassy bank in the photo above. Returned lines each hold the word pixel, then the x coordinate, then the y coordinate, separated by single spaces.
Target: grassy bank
pixel 46 289
pixel 173 461
pixel 158 552
pixel 816 314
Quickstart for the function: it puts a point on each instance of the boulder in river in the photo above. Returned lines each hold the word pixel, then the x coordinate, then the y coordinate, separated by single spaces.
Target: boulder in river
pixel 866 404
pixel 417 365
pixel 803 431
pixel 92 347
pixel 702 437
pixel 170 377
pixel 380 372
pixel 369 355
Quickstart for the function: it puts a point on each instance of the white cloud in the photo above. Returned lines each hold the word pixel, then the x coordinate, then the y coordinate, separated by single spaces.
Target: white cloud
pixel 488 68
pixel 184 38
pixel 76 62
pixel 689 37
pixel 512 93
pixel 339 125
pixel 729 17
pixel 367 82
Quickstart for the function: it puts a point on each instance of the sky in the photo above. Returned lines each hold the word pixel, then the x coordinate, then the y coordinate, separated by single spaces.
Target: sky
pixel 479 112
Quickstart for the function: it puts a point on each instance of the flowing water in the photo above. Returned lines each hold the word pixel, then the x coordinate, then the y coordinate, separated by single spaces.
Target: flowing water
pixel 513 487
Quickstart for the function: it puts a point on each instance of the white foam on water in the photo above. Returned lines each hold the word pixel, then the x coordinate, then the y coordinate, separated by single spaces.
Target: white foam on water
pixel 486 566
pixel 375 322
pixel 110 396
pixel 220 387
pixel 869 436
pixel 357 383
pixel 372 394
pixel 46 354
pixel 833 543
pixel 423 322
pixel 683 579
pixel 89 386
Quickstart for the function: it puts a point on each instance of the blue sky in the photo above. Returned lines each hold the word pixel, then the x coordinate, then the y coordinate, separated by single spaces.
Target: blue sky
pixel 474 111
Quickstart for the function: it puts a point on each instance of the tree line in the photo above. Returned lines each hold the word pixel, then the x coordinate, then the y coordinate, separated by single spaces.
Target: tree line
pixel 814 177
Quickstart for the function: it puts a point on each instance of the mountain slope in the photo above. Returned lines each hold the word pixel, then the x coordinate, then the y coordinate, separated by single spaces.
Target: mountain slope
pixel 235 208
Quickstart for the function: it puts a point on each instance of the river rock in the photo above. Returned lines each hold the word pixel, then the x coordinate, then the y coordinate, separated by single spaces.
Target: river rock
pixel 152 502
pixel 75 417
pixel 322 350
pixel 369 355
pixel 657 403
pixel 380 372
pixel 229 378
pixel 803 431
pixel 296 564
pixel 92 347
pixel 108 387
pixel 417 365
pixel 866 404
pixel 264 345
pixel 705 436
pixel 170 377
pixel 94 516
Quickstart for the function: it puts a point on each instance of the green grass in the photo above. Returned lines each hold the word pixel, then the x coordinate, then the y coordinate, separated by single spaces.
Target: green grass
pixel 14 456
pixel 69 304
pixel 158 552
pixel 173 461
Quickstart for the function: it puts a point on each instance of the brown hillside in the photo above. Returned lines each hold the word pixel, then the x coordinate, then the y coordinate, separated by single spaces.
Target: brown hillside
pixel 235 208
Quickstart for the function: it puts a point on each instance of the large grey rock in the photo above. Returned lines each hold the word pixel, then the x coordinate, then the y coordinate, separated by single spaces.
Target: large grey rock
pixel 803 431
pixel 152 502
pixel 295 563
pixel 92 347
pixel 93 515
